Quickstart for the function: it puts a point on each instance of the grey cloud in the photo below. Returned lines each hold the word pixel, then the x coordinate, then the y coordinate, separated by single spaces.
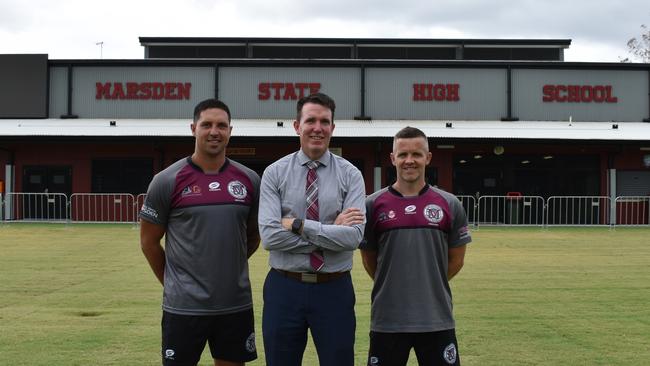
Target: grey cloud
pixel 591 20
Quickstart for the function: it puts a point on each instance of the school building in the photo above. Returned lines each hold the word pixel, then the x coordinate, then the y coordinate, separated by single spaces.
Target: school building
pixel 501 115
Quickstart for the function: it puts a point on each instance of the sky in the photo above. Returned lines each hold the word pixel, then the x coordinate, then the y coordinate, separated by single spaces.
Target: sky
pixel 90 29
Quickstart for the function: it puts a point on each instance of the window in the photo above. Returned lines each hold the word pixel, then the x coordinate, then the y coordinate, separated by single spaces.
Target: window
pixel 121 175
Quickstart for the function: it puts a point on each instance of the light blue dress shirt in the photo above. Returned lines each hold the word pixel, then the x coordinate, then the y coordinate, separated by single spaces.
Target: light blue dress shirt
pixel 282 194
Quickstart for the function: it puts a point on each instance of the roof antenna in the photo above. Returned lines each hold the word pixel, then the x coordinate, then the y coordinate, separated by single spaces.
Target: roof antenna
pixel 101 49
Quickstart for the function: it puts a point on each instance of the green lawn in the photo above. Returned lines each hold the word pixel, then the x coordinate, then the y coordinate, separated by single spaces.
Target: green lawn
pixel 84 295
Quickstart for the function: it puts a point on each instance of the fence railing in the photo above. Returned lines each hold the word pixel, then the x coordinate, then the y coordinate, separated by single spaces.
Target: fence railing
pixel 139 201
pixel 481 211
pixel 510 210
pixel 578 210
pixel 632 211
pixel 35 207
pixel 469 204
pixel 103 207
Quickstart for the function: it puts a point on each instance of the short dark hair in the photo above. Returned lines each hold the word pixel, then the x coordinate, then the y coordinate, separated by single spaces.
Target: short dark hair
pixel 316 98
pixel 409 132
pixel 208 104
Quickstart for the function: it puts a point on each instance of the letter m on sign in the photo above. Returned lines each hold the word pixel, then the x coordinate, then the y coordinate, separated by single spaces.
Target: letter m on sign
pixel 103 91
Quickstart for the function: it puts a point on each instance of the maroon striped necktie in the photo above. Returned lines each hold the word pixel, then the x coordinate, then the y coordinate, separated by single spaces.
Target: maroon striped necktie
pixel 316 258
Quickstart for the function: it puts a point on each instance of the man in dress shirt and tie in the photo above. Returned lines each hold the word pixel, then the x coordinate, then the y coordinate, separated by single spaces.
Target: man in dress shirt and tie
pixel 311 219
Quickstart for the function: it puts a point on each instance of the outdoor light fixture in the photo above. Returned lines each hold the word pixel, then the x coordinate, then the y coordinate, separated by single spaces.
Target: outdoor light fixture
pixel 498 150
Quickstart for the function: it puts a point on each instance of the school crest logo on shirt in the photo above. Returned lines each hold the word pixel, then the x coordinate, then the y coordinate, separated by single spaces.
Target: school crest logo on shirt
pixel 433 213
pixel 237 189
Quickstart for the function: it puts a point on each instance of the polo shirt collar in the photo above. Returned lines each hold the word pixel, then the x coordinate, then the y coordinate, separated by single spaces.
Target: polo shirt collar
pixel 395 192
pixel 193 165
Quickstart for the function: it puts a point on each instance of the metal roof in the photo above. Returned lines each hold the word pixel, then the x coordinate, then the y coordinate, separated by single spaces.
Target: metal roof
pixel 538 130
pixel 510 42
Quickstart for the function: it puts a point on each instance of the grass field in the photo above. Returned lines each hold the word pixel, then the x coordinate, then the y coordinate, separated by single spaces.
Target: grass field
pixel 84 295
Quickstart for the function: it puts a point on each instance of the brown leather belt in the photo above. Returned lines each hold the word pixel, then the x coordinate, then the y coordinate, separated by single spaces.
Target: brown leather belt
pixel 312 277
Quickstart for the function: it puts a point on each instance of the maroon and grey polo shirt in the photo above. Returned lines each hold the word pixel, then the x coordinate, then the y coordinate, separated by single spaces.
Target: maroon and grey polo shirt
pixel 205 217
pixel 411 236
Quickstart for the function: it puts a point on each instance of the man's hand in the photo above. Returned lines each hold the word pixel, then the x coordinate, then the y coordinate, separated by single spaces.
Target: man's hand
pixel 287 222
pixel 350 216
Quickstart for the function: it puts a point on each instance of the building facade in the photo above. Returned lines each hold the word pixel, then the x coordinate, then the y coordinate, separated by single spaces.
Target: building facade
pixel 501 116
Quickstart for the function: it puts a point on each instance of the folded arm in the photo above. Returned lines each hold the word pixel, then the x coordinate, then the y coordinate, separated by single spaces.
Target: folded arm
pixel 346 232
pixel 274 235
pixel 340 236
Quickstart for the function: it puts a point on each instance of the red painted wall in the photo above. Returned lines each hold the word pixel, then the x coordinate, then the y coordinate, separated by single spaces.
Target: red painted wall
pixel 80 155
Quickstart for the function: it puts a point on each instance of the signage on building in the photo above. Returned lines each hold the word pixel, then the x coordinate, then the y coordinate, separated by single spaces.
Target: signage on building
pixel 286 91
pixel 241 151
pixel 578 93
pixel 142 91
pixel 427 92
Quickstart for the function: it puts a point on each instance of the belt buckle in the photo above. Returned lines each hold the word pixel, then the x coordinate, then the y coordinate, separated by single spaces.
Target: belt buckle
pixel 309 277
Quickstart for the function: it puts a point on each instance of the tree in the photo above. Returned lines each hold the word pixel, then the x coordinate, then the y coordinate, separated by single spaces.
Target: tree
pixel 639 47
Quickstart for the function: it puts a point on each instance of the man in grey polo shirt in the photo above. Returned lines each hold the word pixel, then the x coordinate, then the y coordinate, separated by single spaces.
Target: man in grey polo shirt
pixel 415 243
pixel 206 207
pixel 311 220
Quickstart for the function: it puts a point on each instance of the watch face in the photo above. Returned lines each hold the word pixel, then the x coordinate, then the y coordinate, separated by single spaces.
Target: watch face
pixel 295 226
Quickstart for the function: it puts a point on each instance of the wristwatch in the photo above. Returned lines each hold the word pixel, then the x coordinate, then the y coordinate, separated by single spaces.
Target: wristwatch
pixel 296 226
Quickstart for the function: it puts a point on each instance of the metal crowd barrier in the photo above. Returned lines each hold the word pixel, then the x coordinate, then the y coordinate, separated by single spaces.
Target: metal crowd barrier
pixel 102 207
pixel 469 204
pixel 578 210
pixel 510 210
pixel 486 210
pixel 35 207
pixel 632 211
pixel 139 201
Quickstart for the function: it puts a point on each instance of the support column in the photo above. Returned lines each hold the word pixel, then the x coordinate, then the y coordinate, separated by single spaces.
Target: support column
pixel 612 196
pixel 377 179
pixel 9 188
